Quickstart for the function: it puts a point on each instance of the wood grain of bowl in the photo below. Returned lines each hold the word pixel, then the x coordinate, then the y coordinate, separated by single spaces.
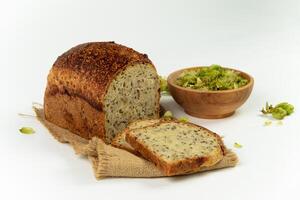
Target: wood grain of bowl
pixel 209 104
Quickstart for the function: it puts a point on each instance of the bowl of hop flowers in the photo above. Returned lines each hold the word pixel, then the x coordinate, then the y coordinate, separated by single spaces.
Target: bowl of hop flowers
pixel 210 91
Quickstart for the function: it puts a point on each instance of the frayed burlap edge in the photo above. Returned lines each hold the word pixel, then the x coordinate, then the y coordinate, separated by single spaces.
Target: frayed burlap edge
pixel 108 161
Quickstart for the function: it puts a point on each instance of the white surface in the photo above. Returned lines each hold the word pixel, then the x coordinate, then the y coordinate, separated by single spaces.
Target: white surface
pixel 259 37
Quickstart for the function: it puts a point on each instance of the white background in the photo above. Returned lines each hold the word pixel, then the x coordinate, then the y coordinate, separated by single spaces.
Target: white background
pixel 261 37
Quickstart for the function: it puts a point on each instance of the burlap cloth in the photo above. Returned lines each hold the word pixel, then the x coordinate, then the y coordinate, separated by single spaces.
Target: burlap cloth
pixel 108 161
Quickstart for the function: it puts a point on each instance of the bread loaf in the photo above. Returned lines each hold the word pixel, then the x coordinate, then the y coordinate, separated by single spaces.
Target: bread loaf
pixel 96 89
pixel 176 147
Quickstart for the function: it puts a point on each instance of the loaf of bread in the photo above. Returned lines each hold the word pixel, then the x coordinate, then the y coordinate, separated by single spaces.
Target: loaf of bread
pixel 176 147
pixel 96 89
pixel 120 142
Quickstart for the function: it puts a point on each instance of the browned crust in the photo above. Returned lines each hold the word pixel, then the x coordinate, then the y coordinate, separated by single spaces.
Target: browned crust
pixel 75 114
pixel 175 168
pixel 114 141
pixel 87 69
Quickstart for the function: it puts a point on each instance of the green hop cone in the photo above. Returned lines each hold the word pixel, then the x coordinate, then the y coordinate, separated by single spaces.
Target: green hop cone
pixel 163 85
pixel 168 115
pixel 279 113
pixel 287 107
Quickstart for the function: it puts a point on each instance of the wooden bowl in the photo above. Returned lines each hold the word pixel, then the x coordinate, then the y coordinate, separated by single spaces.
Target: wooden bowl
pixel 209 104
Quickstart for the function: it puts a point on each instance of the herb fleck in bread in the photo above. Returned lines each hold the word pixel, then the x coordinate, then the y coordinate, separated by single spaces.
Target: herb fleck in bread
pixel 96 89
pixel 120 142
pixel 177 148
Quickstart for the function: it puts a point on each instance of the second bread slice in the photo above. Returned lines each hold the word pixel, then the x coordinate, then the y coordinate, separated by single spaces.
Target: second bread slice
pixel 120 142
pixel 176 147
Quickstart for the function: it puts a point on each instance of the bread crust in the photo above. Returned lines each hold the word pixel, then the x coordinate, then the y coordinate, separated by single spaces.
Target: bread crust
pixel 84 74
pixel 73 113
pixel 179 167
pixel 86 70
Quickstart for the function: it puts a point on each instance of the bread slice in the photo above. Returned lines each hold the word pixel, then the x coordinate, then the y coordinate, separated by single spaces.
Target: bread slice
pixel 176 147
pixel 120 142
